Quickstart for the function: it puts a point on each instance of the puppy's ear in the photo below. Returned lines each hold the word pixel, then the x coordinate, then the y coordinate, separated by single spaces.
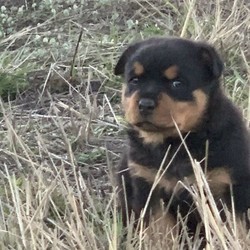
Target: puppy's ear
pixel 120 66
pixel 211 60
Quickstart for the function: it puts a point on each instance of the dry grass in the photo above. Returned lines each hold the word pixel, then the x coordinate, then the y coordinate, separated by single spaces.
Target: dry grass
pixel 61 139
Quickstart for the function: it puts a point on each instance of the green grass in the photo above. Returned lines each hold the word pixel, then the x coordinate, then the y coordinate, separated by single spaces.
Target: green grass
pixel 61 121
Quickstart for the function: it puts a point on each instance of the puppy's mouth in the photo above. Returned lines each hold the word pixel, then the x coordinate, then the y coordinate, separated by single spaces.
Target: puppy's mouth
pixel 151 127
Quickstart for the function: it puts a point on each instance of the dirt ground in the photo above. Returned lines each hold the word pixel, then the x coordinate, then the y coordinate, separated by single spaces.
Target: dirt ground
pixel 62 136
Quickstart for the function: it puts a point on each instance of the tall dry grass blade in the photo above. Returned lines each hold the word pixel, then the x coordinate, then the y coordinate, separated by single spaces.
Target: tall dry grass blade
pixel 191 5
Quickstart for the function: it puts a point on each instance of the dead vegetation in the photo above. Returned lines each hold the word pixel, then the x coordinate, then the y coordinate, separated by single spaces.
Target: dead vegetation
pixel 62 134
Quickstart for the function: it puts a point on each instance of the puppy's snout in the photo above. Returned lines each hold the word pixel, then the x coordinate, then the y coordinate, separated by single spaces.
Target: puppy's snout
pixel 146 106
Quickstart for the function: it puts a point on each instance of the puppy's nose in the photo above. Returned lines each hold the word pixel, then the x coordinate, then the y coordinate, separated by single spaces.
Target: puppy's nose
pixel 146 105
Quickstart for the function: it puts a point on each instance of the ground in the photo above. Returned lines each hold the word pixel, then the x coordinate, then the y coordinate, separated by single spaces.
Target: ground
pixel 61 124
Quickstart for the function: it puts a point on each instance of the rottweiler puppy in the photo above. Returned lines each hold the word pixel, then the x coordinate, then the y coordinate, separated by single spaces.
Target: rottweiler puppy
pixel 172 93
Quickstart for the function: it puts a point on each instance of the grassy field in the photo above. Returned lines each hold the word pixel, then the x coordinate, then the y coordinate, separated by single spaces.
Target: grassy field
pixel 61 124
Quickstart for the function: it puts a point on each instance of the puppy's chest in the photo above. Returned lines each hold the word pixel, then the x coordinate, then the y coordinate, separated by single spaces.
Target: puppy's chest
pixel 172 158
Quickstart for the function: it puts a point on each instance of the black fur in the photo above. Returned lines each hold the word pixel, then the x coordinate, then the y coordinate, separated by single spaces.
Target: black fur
pixel 221 125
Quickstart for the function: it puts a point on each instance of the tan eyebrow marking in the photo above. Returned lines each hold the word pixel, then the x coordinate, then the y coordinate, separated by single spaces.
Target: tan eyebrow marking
pixel 138 68
pixel 171 72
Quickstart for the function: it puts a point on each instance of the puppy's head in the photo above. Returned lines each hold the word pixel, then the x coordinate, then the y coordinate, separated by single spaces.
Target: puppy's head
pixel 166 80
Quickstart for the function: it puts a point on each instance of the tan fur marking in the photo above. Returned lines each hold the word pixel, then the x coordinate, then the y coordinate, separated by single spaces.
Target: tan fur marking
pixel 157 137
pixel 162 229
pixel 151 137
pixel 219 179
pixel 186 114
pixel 130 105
pixel 150 174
pixel 162 219
pixel 138 68
pixel 171 72
pixel 219 175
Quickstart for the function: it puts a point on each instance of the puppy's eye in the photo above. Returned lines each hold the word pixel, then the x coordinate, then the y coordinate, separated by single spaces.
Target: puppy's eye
pixel 176 84
pixel 134 80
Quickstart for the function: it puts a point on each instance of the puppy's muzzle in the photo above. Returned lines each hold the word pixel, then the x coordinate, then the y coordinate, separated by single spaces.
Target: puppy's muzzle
pixel 146 106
